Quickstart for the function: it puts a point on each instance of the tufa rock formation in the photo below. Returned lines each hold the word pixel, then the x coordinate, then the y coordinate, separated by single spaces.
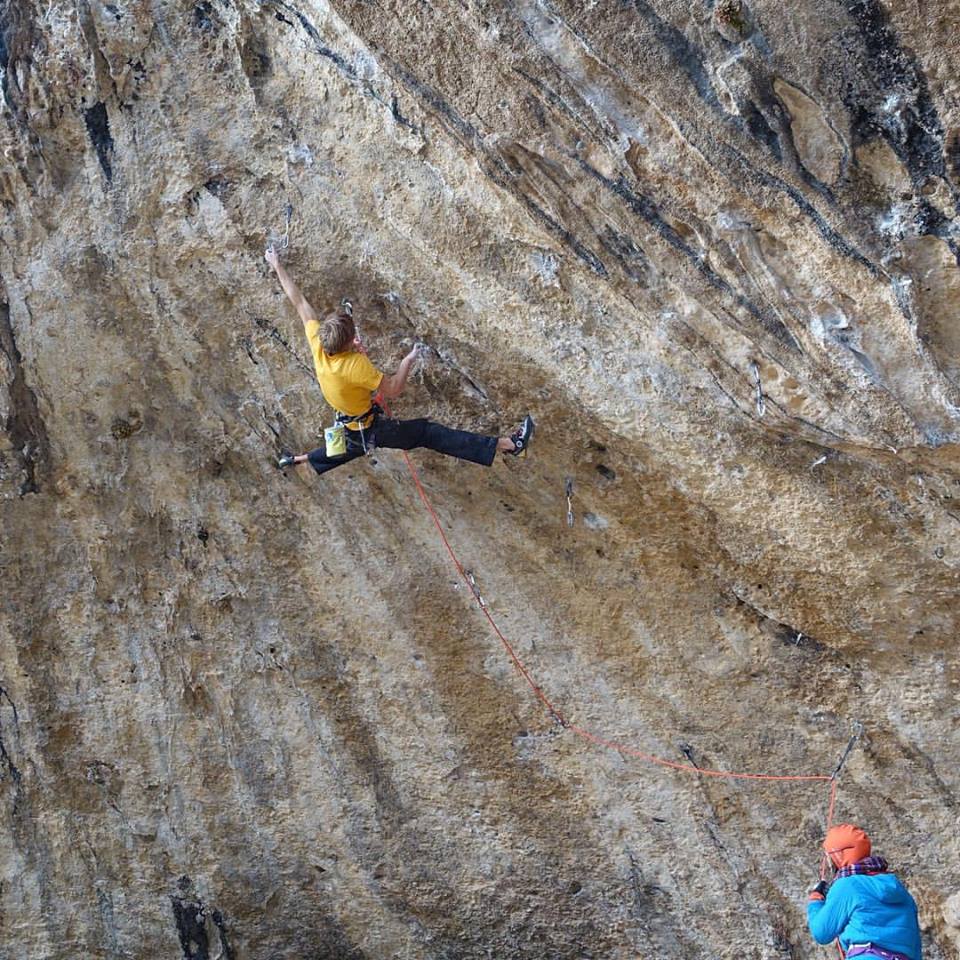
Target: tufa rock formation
pixel 712 246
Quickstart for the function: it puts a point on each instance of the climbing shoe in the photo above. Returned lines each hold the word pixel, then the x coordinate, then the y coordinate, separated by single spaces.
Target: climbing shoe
pixel 521 438
pixel 285 461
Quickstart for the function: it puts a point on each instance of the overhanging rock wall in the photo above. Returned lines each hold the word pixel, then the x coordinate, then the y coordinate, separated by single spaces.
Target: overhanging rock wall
pixel 711 246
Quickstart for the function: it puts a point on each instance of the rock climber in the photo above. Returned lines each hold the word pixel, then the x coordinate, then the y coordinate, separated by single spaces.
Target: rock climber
pixel 867 908
pixel 349 382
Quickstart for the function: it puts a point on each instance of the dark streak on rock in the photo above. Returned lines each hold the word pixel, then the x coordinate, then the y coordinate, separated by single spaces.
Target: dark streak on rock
pixel 205 18
pixel 457 124
pixel 6 13
pixel 5 757
pixel 922 759
pixel 340 62
pixel 633 261
pixel 108 920
pixel 647 210
pixel 16 51
pixel 952 153
pixel 930 221
pixel 916 134
pixel 255 60
pixel 226 952
pixel 496 167
pixel 686 55
pixel 782 632
pixel 24 425
pixel 321 48
pixel 191 928
pixel 218 187
pixel 16 716
pixel 276 335
pixel 690 58
pixel 758 127
pixel 804 206
pixel 556 101
pixel 98 127
pixel 397 115
pixel 555 227
pixel 910 124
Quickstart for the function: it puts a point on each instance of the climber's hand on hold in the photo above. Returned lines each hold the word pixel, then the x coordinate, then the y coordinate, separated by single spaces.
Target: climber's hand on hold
pixel 819 892
pixel 307 313
pixel 392 385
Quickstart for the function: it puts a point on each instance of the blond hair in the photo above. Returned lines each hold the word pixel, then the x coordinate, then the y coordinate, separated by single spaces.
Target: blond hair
pixel 337 332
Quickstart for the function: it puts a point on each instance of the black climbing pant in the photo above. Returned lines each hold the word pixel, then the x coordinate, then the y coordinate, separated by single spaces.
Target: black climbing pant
pixel 406 435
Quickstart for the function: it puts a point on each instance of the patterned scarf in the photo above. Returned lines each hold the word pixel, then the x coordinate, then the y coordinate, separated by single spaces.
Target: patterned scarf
pixel 866 865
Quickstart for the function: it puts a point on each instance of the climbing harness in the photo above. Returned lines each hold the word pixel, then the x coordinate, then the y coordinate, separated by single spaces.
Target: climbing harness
pixel 342 419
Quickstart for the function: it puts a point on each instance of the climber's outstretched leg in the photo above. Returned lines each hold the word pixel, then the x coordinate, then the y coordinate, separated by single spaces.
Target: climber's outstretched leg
pixel 319 460
pixel 408 434
pixel 475 447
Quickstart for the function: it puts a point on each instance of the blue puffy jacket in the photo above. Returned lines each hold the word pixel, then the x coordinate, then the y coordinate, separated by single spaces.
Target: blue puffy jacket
pixel 867 908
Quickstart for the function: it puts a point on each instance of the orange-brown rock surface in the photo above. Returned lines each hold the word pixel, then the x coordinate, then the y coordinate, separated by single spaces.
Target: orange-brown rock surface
pixel 712 246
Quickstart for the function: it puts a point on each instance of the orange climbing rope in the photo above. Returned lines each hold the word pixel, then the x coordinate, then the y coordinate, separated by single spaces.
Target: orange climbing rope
pixel 602 741
pixel 574 728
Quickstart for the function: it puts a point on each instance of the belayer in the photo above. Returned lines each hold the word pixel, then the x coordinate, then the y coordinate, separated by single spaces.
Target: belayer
pixel 349 381
pixel 867 908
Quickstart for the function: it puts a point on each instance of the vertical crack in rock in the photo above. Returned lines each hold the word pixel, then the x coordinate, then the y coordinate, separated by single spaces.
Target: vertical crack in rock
pixel 24 425
pixel 98 127
pixel 16 33
pixel 14 773
pixel 191 928
pixel 6 13
pixel 226 952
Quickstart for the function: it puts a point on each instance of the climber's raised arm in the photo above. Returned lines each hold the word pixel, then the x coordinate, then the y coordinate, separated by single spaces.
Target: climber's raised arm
pixel 307 313
pixel 392 384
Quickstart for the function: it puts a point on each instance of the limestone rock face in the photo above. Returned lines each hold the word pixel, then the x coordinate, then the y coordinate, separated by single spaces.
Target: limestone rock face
pixel 712 246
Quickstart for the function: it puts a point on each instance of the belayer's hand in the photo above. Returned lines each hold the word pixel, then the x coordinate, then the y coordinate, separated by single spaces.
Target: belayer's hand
pixel 819 892
pixel 271 257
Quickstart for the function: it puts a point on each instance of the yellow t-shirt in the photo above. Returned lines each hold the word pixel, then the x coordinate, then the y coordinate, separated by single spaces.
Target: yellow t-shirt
pixel 346 379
